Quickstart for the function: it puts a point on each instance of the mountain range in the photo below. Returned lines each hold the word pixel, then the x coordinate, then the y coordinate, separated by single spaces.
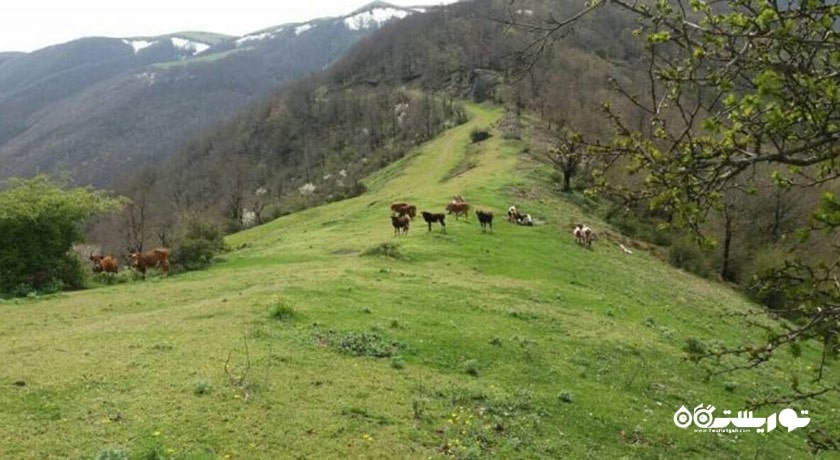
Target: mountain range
pixel 99 108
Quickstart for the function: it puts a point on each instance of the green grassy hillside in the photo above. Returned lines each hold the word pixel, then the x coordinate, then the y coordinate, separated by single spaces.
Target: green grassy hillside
pixel 514 343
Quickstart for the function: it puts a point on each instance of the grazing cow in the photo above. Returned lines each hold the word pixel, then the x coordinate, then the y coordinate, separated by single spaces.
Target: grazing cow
pixel 400 224
pixel 396 206
pixel 513 214
pixel 431 218
pixel 405 209
pixel 156 258
pixel 485 218
pixel 583 235
pixel 108 264
pixel 459 209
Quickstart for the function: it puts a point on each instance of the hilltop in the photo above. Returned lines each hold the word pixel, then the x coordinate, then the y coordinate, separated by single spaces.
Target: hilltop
pixel 513 343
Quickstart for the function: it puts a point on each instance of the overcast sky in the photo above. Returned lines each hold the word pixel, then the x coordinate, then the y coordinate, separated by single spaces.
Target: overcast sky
pixel 34 24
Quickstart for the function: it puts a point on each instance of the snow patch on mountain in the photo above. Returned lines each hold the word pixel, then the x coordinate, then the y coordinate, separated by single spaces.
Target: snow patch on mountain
pixel 190 46
pixel 256 37
pixel 373 18
pixel 138 45
pixel 302 28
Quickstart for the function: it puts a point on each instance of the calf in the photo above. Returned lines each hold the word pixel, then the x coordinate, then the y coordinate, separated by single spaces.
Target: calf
pixel 459 209
pixel 485 218
pixel 400 224
pixel 156 258
pixel 107 264
pixel 431 218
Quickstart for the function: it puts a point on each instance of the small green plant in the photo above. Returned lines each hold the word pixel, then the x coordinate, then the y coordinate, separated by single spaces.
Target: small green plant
pixel 396 324
pixel 162 346
pixel 694 347
pixel 201 387
pixel 418 407
pixel 730 386
pixel 495 341
pixel 471 367
pixel 359 343
pixel 566 397
pixel 397 362
pixel 112 453
pixel 281 309
pixel 391 250
pixel 523 315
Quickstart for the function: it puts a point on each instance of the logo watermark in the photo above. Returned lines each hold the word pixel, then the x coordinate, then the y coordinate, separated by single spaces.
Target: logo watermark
pixel 705 421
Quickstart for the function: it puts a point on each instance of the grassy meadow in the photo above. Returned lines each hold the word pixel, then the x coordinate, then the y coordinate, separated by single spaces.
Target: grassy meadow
pixel 315 337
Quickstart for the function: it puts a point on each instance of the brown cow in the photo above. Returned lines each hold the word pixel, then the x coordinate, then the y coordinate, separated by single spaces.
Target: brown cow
pixel 108 264
pixel 400 224
pixel 459 209
pixel 405 209
pixel 156 258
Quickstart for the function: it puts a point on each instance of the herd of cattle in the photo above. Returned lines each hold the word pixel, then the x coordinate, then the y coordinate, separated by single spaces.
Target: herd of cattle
pixel 401 216
pixel 403 213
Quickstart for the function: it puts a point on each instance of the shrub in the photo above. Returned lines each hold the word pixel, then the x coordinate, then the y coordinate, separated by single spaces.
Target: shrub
pixel 201 387
pixel 694 346
pixel 478 135
pixel 471 367
pixel 391 250
pixel 38 226
pixel 201 242
pixel 397 362
pixel 360 343
pixel 686 254
pixel 281 309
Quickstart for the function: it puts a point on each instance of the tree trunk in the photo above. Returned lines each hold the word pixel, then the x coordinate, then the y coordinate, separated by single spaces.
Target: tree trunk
pixel 725 271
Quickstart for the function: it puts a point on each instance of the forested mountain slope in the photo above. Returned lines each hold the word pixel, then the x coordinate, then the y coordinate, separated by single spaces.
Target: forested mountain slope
pixel 99 108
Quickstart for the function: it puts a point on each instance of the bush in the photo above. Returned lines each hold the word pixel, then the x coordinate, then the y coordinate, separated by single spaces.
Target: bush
pixel 281 309
pixel 201 242
pixel 478 135
pixel 38 226
pixel 686 254
pixel 201 387
pixel 471 367
pixel 360 343
pixel 391 250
